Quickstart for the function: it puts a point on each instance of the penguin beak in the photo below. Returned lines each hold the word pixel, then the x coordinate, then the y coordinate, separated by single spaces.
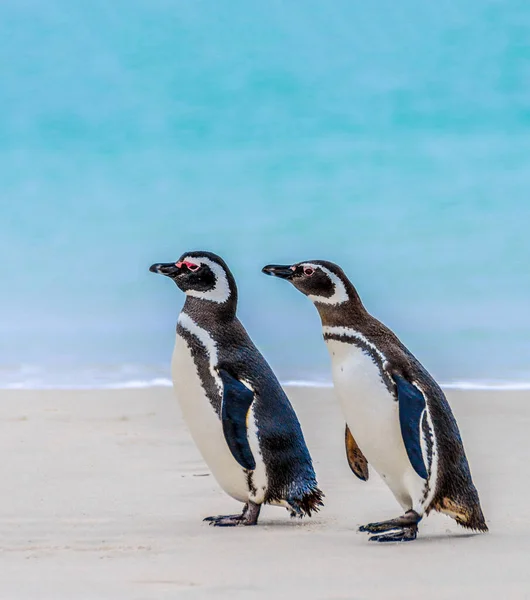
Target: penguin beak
pixel 281 271
pixel 169 269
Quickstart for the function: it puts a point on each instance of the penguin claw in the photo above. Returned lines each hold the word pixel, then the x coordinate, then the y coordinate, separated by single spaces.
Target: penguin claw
pixel 407 534
pixel 224 520
pixel 226 523
pixel 378 527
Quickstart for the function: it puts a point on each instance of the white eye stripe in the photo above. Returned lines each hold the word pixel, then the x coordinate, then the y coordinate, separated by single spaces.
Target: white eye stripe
pixel 339 295
pixel 221 290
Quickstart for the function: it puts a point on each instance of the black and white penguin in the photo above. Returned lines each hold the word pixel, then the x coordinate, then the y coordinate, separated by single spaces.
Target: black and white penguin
pixel 237 412
pixel 397 417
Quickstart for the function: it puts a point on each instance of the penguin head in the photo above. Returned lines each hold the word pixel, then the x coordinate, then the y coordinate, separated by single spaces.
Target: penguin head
pixel 201 275
pixel 321 281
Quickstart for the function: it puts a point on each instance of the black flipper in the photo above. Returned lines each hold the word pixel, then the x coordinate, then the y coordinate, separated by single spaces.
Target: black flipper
pixel 356 459
pixel 411 407
pixel 237 399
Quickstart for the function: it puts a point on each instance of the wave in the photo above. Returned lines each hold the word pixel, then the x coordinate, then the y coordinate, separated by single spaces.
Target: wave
pixel 166 382
pixel 119 385
pixel 487 385
pixel 452 385
pixel 307 383
pixel 140 376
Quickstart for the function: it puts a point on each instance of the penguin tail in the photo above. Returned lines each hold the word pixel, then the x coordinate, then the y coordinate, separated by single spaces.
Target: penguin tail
pixel 307 504
pixel 473 519
pixel 469 516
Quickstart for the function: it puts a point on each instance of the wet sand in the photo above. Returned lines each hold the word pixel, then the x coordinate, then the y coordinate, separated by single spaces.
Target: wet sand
pixel 103 495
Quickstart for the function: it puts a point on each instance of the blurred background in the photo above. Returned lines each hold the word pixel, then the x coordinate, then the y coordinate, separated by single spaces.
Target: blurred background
pixel 390 137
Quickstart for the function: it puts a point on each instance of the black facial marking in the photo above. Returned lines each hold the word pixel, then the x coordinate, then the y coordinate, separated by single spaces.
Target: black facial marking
pixel 201 279
pixel 312 281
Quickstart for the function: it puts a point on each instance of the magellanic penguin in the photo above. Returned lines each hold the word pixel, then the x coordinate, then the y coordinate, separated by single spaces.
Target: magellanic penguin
pixel 397 417
pixel 237 412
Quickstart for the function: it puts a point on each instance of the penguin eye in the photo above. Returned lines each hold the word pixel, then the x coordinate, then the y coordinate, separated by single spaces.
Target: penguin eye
pixel 189 265
pixel 308 271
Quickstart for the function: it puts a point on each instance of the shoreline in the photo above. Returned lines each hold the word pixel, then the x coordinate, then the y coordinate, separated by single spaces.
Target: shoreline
pixel 461 386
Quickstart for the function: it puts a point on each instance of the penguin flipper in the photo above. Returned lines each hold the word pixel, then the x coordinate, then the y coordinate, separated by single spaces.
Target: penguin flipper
pixel 237 399
pixel 412 409
pixel 356 459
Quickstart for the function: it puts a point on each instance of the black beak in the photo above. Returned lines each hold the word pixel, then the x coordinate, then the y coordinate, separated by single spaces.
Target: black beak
pixel 281 271
pixel 169 269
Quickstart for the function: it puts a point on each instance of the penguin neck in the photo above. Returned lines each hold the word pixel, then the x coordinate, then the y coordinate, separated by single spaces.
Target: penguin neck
pixel 351 313
pixel 209 312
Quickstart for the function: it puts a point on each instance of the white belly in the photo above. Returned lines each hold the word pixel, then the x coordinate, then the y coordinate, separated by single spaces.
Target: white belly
pixel 204 424
pixel 373 418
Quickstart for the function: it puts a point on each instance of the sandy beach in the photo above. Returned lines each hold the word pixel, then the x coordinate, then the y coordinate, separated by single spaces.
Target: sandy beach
pixel 104 495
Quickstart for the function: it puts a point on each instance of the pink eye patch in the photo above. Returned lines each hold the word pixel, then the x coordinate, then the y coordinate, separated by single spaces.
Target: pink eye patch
pixel 191 266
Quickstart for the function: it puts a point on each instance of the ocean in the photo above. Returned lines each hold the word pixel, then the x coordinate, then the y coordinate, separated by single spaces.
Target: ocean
pixel 391 138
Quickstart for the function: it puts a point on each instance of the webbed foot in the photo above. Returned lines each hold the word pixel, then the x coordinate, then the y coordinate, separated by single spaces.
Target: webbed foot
pixel 406 528
pixel 248 517
pixel 407 534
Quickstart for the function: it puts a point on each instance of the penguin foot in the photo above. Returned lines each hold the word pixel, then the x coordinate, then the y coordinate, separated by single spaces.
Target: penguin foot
pixel 410 519
pixel 225 520
pixel 407 534
pixel 248 517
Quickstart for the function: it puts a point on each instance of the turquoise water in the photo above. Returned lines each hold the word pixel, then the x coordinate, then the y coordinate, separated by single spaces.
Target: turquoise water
pixel 392 138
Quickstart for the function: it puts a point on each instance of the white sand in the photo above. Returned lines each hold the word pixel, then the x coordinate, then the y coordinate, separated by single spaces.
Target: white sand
pixel 103 495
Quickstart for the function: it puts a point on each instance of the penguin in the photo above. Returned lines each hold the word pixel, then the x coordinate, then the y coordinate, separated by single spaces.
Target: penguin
pixel 236 410
pixel 397 417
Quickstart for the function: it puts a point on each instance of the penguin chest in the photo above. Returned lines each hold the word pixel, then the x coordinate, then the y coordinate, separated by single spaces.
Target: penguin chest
pixel 372 414
pixel 201 417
